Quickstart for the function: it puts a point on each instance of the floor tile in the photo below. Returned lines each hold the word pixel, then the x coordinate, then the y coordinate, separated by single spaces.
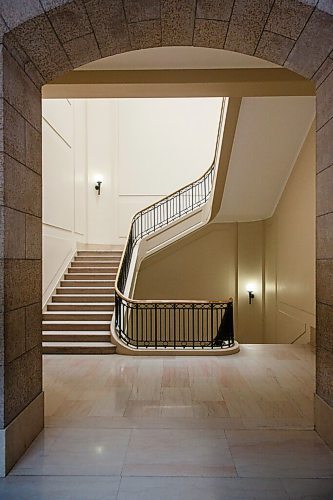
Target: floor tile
pixel 75 452
pixel 210 409
pixel 139 408
pixel 146 422
pixel 59 487
pixel 309 489
pixel 166 488
pixel 112 404
pixel 174 452
pixel 280 453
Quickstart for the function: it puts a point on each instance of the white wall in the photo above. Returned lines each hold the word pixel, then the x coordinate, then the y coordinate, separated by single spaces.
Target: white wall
pixel 145 149
pixel 64 186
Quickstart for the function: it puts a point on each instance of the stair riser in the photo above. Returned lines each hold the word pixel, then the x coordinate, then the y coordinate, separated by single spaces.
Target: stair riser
pixel 75 328
pixel 80 307
pixel 80 283
pixel 96 258
pixel 49 316
pixel 92 270
pixel 90 276
pixel 94 264
pixel 84 337
pixel 89 253
pixel 82 298
pixel 98 255
pixel 78 350
pixel 84 291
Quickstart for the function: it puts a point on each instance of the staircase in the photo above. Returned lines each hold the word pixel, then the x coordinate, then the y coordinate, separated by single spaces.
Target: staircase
pixel 77 320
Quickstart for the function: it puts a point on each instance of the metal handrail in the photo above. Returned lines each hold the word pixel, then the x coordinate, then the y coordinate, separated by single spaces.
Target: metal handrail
pixel 153 218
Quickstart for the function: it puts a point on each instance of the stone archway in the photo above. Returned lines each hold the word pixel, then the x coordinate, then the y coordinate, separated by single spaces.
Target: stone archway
pixel 41 40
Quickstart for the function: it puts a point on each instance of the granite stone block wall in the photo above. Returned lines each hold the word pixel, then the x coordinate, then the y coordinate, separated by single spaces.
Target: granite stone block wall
pixel 21 194
pixel 43 39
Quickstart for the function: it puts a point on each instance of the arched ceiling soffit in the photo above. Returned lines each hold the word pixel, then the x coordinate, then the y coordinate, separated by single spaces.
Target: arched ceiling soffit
pixel 56 36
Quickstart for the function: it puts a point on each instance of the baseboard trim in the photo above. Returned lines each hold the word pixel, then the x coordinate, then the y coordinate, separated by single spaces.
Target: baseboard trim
pixel 16 438
pixel 324 420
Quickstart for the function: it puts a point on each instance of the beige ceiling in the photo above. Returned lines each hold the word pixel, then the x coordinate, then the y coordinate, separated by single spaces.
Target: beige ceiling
pixel 177 58
pixel 270 133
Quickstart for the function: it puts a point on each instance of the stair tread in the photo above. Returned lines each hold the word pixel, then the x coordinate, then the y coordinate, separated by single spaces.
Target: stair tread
pixel 112 263
pixel 98 250
pixel 75 322
pixel 76 333
pixel 78 344
pixel 86 265
pixel 84 303
pixel 95 294
pixel 93 280
pixel 78 312
pixel 89 274
pixel 77 288
pixel 61 287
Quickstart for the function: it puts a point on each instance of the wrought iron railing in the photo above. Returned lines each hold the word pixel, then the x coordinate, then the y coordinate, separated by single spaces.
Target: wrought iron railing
pixel 172 324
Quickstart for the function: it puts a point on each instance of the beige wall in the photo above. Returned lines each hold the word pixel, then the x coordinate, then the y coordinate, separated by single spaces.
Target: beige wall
pixel 207 265
pixel 192 268
pixel 276 255
pixel 290 255
pixel 250 270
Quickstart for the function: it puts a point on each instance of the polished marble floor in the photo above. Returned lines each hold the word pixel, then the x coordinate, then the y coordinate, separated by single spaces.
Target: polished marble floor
pixel 143 428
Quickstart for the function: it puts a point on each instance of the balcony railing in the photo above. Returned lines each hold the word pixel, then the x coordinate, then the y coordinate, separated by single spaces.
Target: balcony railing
pixel 172 324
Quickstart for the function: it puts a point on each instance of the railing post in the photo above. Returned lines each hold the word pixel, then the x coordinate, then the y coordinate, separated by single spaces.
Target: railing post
pixel 137 324
pixel 120 317
pixel 155 326
pixel 232 339
pixel 193 326
pixel 212 324
pixel 174 326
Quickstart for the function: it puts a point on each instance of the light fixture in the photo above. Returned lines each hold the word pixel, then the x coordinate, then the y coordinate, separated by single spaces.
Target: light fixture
pixel 250 289
pixel 99 179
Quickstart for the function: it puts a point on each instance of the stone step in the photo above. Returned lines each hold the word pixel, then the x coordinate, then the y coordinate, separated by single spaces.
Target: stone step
pixel 90 276
pixel 83 298
pixel 93 270
pixel 88 258
pixel 77 316
pixel 99 253
pixel 93 263
pixel 78 348
pixel 84 290
pixel 77 306
pixel 73 336
pixel 82 283
pixel 76 325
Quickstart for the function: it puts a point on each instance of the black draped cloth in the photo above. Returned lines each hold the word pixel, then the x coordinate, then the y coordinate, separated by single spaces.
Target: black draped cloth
pixel 225 332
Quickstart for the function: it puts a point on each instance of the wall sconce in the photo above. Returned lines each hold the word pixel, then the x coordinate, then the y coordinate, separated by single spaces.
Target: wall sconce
pixel 250 290
pixel 99 180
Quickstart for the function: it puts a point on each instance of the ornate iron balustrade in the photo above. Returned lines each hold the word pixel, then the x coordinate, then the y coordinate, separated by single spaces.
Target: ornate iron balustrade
pixel 171 324
pixel 175 324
